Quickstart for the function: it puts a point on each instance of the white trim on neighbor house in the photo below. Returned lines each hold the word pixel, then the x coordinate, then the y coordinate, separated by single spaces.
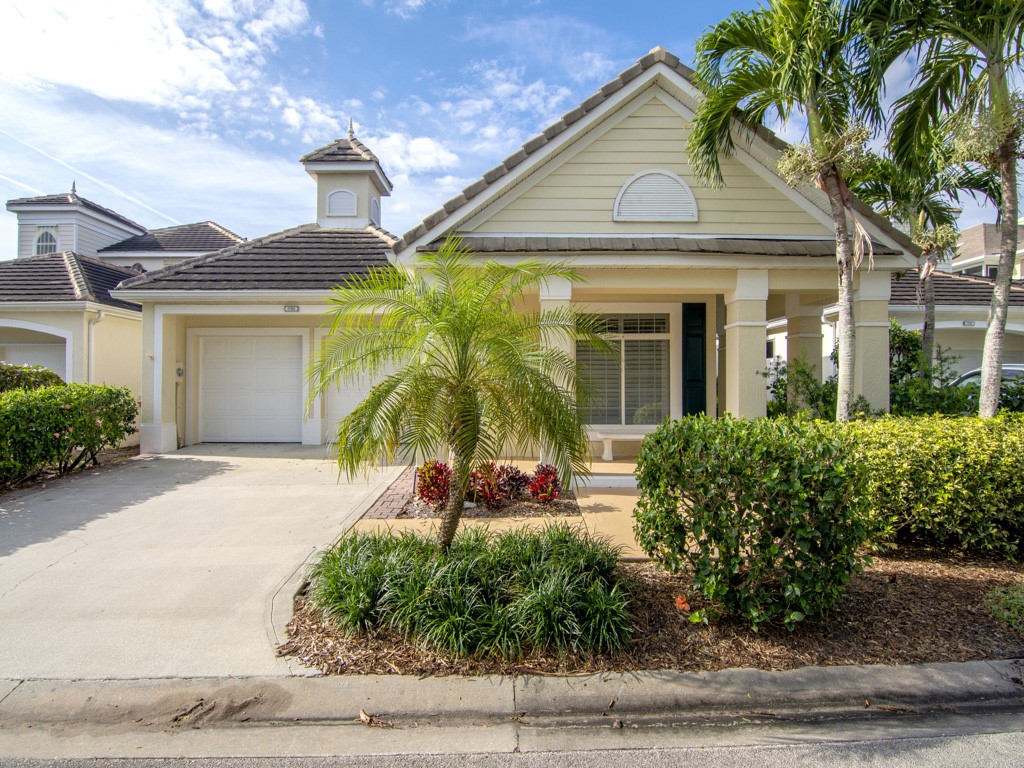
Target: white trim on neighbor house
pixel 68 208
pixel 221 297
pixel 50 330
pixel 70 306
pixel 194 380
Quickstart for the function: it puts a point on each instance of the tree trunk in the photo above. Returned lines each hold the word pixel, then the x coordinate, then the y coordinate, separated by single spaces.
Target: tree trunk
pixel 452 512
pixel 928 332
pixel 992 355
pixel 846 332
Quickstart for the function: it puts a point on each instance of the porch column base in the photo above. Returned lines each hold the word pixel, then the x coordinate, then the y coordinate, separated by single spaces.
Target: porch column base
pixel 158 438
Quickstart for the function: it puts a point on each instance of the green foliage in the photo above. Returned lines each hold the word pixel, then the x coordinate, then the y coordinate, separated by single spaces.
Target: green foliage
pixel 26 377
pixel 766 514
pixel 954 482
pixel 503 595
pixel 60 427
pixel 1007 604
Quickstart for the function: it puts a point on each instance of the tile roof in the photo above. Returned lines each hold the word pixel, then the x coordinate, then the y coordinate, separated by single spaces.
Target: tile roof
pixel 648 244
pixel 304 258
pixel 657 56
pixel 950 290
pixel 348 149
pixel 73 198
pixel 62 276
pixel 202 236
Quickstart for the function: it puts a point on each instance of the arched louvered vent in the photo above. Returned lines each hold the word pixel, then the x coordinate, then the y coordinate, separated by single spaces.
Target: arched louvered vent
pixel 375 211
pixel 655 195
pixel 341 203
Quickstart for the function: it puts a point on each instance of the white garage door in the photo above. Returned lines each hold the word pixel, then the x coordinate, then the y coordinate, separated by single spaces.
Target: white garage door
pixel 251 389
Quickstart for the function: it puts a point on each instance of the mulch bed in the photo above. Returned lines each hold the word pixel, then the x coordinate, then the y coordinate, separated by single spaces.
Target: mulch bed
pixel 564 506
pixel 909 608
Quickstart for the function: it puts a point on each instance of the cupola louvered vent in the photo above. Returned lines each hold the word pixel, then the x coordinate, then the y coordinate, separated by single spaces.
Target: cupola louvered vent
pixel 655 195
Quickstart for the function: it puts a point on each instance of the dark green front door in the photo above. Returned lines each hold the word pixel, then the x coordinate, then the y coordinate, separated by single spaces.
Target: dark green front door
pixel 694 368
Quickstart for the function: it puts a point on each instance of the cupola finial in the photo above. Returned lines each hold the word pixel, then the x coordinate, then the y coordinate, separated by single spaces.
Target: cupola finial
pixel 351 129
pixel 73 190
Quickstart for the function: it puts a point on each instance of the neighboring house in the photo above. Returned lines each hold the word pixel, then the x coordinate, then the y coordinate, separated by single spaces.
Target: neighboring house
pixel 55 305
pixel 56 310
pixel 688 275
pixel 977 252
pixel 961 319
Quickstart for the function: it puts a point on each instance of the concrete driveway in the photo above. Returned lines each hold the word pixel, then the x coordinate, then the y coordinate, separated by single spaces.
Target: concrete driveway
pixel 172 566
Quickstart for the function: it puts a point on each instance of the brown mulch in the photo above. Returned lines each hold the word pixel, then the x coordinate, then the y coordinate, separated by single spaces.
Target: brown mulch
pixel 564 506
pixel 909 608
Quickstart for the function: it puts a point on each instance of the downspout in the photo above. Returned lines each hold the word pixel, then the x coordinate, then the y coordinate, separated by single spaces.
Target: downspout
pixel 91 362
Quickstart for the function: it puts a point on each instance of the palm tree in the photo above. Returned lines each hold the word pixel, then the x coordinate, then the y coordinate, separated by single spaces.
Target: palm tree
pixel 967 52
pixel 459 367
pixel 923 197
pixel 783 59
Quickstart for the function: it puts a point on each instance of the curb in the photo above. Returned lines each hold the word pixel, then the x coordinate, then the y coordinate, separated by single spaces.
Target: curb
pixel 210 701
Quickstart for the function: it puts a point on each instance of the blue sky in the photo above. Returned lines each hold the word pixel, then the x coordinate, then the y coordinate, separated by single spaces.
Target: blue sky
pixel 172 111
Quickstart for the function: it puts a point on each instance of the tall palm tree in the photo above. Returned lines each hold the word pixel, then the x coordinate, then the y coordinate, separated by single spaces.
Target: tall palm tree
pixel 460 367
pixel 923 197
pixel 967 52
pixel 784 59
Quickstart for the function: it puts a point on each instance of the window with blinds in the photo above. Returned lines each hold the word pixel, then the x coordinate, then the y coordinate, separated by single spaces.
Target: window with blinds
pixel 630 387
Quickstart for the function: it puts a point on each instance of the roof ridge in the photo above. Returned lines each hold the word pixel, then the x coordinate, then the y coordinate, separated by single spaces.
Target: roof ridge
pixel 185 266
pixel 79 283
pixel 224 230
pixel 80 257
pixel 382 233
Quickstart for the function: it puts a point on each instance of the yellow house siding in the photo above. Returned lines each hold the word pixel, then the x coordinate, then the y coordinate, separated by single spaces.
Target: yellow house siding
pixel 579 194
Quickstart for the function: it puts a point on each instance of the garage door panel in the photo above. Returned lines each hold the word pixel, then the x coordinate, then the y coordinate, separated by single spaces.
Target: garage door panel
pixel 251 389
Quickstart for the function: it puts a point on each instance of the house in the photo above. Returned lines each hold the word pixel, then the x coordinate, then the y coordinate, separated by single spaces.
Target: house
pixel 977 251
pixel 55 304
pixel 689 275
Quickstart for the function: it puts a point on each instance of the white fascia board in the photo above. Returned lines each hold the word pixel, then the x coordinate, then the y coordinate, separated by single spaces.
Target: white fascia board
pixel 541 156
pixel 137 255
pixel 656 235
pixel 200 298
pixel 380 181
pixel 706 261
pixel 69 306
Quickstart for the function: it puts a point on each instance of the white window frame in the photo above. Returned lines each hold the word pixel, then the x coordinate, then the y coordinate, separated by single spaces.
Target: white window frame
pixel 674 337
pixel 52 232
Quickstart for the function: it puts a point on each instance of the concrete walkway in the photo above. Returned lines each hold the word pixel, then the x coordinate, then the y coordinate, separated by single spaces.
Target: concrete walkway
pixel 174 566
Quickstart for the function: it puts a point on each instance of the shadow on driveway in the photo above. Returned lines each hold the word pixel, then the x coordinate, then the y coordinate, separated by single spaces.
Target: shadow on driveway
pixel 46 512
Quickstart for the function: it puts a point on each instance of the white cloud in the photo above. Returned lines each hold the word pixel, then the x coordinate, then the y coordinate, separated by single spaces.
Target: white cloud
pixel 402 154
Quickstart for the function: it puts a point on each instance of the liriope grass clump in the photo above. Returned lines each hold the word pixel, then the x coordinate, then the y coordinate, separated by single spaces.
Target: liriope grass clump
pixel 505 595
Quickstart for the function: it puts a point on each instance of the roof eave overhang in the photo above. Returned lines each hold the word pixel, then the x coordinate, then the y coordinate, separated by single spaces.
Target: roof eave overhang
pixel 377 176
pixel 75 305
pixel 242 296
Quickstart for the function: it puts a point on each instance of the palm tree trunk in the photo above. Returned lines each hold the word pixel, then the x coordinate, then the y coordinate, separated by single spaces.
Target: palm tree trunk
pixel 928 332
pixel 992 355
pixel 844 257
pixel 452 512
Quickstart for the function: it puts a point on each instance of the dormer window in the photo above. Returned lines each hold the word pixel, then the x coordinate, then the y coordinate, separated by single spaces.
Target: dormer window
pixel 341 202
pixel 46 240
pixel 655 195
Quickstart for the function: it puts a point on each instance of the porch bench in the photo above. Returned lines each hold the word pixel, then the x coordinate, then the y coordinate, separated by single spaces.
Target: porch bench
pixel 608 435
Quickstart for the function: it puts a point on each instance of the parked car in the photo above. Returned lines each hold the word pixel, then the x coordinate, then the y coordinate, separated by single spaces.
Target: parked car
pixel 1011 372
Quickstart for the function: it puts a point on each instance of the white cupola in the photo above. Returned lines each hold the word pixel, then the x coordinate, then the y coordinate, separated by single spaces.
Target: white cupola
pixel 349 183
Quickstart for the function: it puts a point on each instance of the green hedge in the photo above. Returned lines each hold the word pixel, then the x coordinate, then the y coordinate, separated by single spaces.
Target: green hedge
pixel 60 427
pixel 952 481
pixel 766 515
pixel 26 377
pixel 505 595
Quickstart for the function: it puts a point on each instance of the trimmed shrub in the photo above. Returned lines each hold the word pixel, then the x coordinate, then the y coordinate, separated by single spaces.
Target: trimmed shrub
pixel 61 427
pixel 432 479
pixel 512 481
pixel 545 486
pixel 766 514
pixel 483 485
pixel 503 595
pixel 26 377
pixel 952 481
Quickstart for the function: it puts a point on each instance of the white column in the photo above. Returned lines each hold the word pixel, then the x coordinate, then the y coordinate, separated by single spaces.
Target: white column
pixel 871 319
pixel 746 312
pixel 803 333
pixel 556 293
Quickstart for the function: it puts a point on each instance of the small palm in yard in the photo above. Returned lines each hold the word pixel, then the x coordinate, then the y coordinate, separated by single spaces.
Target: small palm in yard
pixel 460 367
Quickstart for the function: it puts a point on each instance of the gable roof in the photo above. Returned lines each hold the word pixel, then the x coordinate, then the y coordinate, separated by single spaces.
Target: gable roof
pixel 62 276
pixel 657 56
pixel 950 290
pixel 303 258
pixel 203 236
pixel 71 198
